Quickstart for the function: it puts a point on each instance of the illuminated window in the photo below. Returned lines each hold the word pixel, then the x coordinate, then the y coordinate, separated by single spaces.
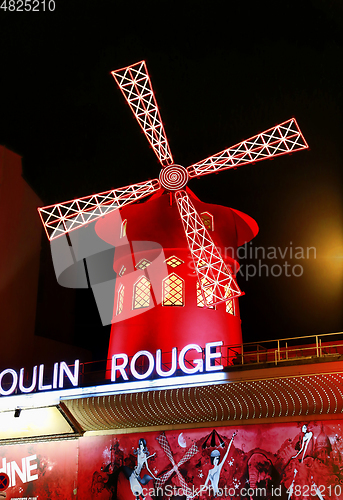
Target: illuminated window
pixel 120 299
pixel 229 304
pixel 173 290
pixel 122 271
pixel 207 291
pixel 174 261
pixel 207 220
pixel 141 291
pixel 123 228
pixel 142 264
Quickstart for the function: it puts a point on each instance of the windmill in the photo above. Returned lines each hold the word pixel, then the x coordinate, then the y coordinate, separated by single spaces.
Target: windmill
pixel 215 277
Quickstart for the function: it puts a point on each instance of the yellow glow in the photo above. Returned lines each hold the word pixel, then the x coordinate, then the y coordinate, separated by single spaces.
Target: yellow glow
pixel 329 247
pixel 208 293
pixel 174 261
pixel 142 293
pixel 33 422
pixel 173 291
pixel 316 221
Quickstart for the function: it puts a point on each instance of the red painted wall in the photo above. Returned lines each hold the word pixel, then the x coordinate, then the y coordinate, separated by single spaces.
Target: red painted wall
pixel 166 327
pixel 41 470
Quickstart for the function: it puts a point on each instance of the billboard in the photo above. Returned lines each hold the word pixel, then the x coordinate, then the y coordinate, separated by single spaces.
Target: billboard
pixel 41 470
pixel 290 461
pixel 286 461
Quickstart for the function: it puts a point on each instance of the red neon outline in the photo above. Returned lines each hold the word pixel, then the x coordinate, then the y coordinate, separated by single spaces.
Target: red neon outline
pixel 74 213
pixel 236 155
pixel 65 217
pixel 215 273
pixel 146 106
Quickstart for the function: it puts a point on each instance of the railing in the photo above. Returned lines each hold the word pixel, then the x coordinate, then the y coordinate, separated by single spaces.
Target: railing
pixel 328 345
pixel 311 348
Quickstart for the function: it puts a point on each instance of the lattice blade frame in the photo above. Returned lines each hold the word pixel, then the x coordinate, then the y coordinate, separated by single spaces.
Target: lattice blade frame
pixel 276 141
pixel 65 217
pixel 161 480
pixel 135 84
pixel 213 273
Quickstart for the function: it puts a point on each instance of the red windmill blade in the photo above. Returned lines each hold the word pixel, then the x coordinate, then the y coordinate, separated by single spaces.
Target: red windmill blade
pixel 216 280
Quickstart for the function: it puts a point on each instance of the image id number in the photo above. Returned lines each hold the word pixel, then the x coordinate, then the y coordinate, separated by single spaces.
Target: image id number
pixel 28 5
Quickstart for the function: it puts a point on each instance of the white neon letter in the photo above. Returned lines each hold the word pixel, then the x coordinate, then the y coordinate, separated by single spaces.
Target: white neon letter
pixel 212 355
pixel 64 368
pixel 42 387
pixel 14 374
pixel 151 364
pixel 21 380
pixel 159 363
pixel 199 364
pixel 120 368
pixel 55 376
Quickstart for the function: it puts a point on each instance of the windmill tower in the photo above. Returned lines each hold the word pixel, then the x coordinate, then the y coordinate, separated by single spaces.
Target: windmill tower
pixel 187 292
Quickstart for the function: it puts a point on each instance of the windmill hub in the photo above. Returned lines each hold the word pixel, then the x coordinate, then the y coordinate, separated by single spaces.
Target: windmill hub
pixel 173 177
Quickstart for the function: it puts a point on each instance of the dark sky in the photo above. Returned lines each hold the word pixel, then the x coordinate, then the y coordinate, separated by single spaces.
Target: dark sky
pixel 221 75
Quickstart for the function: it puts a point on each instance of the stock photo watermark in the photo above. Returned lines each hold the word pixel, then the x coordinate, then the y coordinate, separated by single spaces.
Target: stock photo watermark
pixel 270 261
pixel 225 492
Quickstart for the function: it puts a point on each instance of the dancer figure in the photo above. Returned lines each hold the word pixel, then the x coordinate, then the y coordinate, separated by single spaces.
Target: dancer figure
pixel 213 475
pixel 133 475
pixel 305 444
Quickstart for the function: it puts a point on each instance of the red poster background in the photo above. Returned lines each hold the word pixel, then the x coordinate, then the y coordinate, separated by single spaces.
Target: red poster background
pixel 55 464
pixel 305 457
pixel 260 456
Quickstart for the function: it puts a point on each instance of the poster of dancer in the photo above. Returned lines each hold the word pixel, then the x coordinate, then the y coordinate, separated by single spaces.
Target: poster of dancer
pixel 290 461
pixel 287 461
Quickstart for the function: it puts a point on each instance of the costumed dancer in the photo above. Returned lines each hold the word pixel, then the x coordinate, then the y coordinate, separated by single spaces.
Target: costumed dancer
pixel 213 475
pixel 133 475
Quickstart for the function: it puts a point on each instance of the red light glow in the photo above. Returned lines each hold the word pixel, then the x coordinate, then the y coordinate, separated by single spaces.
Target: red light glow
pixel 215 278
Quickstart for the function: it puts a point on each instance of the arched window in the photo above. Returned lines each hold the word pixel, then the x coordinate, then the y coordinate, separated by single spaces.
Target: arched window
pixel 207 220
pixel 229 304
pixel 123 228
pixel 173 290
pixel 141 293
pixel 120 299
pixel 207 291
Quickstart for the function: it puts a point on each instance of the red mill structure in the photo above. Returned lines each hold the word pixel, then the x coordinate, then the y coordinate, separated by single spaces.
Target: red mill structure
pixel 182 408
pixel 188 230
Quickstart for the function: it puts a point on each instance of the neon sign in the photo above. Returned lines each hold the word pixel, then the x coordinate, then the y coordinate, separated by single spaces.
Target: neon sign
pixel 11 382
pixel 191 359
pixel 120 362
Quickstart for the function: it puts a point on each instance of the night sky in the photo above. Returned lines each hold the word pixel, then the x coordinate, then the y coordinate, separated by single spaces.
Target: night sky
pixel 220 76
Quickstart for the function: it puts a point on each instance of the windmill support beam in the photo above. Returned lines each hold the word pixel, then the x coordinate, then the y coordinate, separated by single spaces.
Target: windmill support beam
pixel 215 277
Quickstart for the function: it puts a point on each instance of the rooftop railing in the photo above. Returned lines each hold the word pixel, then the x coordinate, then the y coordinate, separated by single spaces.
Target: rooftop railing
pixel 294 350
